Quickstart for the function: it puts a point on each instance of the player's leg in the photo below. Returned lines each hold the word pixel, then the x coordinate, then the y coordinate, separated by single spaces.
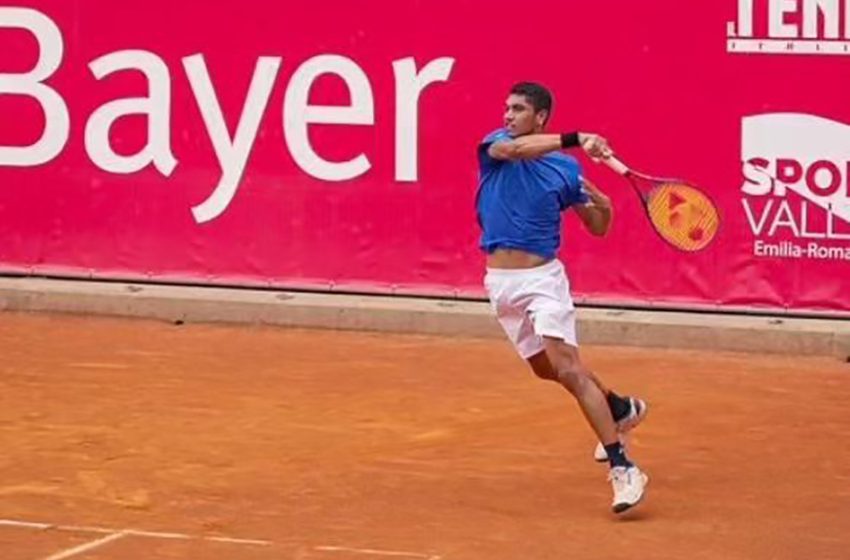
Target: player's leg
pixel 553 316
pixel 621 407
pixel 529 318
pixel 534 305
pixel 627 411
pixel 552 311
pixel 571 373
pixel 628 481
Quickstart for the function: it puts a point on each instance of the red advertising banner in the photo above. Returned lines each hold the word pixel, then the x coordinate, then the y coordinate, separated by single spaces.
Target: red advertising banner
pixel 332 145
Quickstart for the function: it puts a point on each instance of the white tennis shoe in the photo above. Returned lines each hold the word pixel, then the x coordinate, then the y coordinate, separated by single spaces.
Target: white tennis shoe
pixel 629 485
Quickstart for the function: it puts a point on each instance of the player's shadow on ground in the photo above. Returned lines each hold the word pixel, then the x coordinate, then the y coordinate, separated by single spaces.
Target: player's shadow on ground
pixel 636 515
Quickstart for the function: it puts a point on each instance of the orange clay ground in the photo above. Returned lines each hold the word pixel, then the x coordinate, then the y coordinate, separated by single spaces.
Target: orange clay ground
pixel 136 440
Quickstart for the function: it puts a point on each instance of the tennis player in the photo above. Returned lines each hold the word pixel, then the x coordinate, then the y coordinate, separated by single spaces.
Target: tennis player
pixel 525 183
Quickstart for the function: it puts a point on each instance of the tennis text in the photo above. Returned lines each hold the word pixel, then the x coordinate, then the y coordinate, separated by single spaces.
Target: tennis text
pixel 812 27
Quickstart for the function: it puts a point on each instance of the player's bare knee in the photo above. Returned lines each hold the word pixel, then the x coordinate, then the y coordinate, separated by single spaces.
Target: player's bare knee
pixel 574 379
pixel 546 375
pixel 542 367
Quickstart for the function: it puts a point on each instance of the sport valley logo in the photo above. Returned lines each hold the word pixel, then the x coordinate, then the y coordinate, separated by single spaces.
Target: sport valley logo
pixel 796 189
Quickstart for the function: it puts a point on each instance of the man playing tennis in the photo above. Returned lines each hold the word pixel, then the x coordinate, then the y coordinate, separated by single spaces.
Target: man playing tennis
pixel 525 182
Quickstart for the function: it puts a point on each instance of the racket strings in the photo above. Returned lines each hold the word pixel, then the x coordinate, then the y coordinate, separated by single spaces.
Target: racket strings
pixel 683 216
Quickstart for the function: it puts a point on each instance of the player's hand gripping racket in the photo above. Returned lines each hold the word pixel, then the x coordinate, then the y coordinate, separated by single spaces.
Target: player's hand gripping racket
pixel 681 214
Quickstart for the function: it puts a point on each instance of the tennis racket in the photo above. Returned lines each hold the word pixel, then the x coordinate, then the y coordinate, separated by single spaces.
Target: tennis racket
pixel 681 214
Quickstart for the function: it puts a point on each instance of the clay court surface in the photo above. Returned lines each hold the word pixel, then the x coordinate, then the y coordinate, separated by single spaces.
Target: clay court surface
pixel 136 440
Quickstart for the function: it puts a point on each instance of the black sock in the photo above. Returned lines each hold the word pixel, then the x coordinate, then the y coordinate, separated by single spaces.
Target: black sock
pixel 617 455
pixel 620 407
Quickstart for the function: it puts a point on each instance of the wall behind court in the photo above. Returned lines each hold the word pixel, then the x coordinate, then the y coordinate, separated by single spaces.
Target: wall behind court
pixel 332 145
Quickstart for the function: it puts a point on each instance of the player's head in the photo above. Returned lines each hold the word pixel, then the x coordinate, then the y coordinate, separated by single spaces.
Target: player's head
pixel 527 109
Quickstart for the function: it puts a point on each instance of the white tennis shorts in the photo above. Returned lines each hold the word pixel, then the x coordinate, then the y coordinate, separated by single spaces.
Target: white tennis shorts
pixel 531 303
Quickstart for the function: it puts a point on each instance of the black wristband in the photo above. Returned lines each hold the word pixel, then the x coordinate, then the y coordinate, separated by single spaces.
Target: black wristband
pixel 569 140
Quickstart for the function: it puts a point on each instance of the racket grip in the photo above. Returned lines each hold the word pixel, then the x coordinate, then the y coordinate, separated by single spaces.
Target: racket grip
pixel 616 165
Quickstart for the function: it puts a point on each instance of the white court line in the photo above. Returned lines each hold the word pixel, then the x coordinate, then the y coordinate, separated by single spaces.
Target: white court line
pixel 374 552
pixel 86 547
pixel 24 524
pixel 75 529
pixel 128 533
pixel 165 536
pixel 239 541
pixel 115 534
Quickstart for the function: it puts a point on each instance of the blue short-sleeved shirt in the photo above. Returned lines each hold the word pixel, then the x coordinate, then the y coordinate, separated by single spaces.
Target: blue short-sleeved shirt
pixel 519 203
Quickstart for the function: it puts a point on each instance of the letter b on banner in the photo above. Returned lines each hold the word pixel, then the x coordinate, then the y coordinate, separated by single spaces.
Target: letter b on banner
pixel 56 119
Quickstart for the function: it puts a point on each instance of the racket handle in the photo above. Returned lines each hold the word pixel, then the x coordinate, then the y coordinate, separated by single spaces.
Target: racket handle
pixel 617 165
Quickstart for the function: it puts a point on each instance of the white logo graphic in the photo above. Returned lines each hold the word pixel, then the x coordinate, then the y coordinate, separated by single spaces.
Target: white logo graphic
pixel 797 185
pixel 812 27
pixel 232 146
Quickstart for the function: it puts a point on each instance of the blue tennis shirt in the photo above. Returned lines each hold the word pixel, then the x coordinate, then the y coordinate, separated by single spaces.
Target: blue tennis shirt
pixel 519 203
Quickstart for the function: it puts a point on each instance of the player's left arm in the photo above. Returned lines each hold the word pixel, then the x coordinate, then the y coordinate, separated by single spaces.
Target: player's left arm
pixel 596 214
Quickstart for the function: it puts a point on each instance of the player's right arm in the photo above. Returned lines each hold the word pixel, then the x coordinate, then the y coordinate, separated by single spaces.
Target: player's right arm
pixel 531 146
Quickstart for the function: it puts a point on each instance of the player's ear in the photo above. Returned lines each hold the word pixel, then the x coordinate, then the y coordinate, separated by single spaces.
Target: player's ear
pixel 542 117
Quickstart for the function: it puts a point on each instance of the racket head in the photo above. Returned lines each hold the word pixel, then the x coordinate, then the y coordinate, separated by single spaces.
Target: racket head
pixel 682 215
